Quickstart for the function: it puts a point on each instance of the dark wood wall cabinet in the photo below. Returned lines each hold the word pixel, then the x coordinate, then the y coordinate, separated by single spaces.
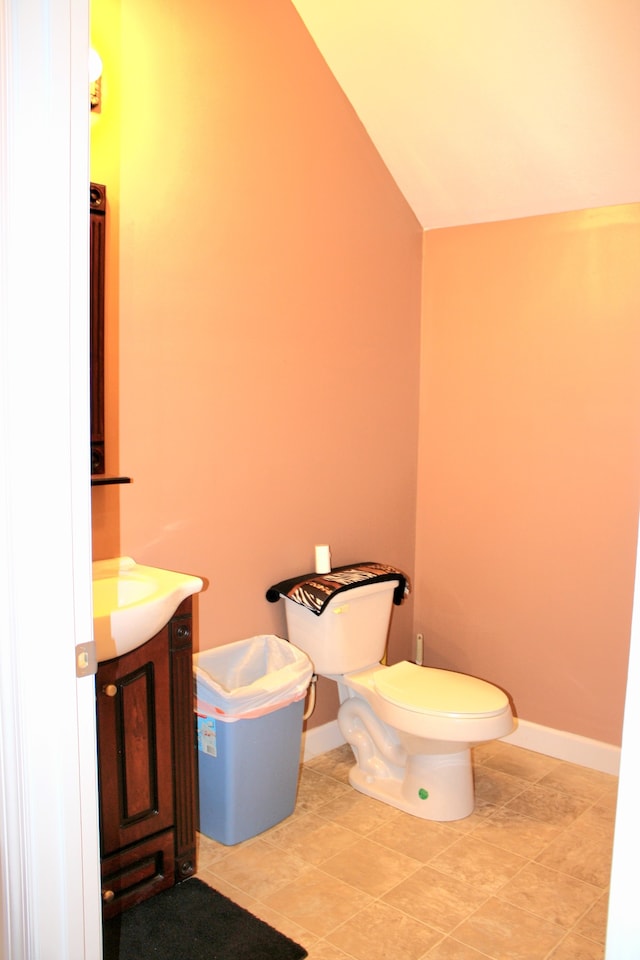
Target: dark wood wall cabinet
pixel 97 260
pixel 147 766
pixel 97 238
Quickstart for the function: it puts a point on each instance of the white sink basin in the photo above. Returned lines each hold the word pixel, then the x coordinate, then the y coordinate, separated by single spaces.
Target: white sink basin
pixel 131 603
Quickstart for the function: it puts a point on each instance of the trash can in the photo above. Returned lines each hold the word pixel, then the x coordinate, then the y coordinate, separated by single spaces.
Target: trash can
pixel 249 706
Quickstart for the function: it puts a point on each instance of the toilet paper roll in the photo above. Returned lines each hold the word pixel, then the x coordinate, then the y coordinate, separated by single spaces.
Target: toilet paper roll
pixel 323 558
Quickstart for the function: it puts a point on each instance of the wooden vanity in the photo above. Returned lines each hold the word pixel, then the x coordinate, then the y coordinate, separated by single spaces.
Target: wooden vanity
pixel 147 766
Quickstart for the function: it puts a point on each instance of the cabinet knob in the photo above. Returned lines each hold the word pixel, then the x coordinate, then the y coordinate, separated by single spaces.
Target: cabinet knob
pixel 110 689
pixel 107 896
pixel 183 632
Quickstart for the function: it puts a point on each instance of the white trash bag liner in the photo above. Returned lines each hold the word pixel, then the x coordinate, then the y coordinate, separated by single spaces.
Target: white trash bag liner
pixel 251 677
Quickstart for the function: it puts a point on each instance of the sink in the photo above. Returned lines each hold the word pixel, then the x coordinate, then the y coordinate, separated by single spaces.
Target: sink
pixel 131 603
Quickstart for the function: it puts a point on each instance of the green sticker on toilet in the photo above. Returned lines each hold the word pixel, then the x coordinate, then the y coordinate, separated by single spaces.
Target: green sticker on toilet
pixel 423 794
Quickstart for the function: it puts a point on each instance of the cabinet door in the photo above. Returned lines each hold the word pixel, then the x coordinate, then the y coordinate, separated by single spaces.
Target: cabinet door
pixel 134 744
pixel 136 873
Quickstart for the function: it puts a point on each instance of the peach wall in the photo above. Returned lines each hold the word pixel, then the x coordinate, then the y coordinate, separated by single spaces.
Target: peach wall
pixel 105 168
pixel 529 460
pixel 268 313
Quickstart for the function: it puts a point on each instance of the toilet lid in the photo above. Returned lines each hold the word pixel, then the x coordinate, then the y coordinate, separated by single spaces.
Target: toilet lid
pixel 431 691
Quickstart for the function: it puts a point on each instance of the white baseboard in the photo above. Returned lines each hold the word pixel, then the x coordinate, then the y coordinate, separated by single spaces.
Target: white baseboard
pixel 321 739
pixel 553 743
pixel 566 746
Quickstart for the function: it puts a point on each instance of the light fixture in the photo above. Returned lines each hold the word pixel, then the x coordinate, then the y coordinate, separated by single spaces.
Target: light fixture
pixel 95 79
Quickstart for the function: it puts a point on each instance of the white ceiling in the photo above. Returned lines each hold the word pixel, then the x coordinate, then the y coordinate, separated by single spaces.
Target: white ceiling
pixel 492 109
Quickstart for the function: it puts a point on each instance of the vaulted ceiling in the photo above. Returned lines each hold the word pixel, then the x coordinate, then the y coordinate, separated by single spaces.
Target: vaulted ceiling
pixel 492 109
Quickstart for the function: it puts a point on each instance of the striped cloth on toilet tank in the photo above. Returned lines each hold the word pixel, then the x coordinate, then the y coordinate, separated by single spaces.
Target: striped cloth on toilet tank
pixel 314 590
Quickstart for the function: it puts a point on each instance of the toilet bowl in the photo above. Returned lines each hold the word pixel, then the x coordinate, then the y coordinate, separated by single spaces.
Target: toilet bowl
pixel 411 727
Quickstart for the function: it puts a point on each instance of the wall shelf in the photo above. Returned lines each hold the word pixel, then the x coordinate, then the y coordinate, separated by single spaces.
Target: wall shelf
pixel 102 481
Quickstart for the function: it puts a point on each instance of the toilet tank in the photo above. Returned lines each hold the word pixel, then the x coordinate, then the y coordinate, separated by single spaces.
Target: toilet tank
pixel 350 633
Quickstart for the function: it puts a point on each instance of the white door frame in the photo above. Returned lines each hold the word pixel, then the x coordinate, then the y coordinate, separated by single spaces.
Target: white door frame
pixel 623 930
pixel 49 856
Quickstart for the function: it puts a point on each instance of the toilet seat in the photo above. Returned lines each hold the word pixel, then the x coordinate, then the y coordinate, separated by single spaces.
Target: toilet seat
pixel 434 692
pixel 438 705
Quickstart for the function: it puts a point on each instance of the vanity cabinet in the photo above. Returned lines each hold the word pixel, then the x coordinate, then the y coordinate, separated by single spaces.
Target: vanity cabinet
pixel 146 766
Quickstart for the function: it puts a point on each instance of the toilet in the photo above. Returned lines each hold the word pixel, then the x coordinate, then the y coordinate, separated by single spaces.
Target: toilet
pixel 411 727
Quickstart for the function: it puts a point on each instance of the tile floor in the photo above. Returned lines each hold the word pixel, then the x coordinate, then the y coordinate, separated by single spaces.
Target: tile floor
pixel 524 878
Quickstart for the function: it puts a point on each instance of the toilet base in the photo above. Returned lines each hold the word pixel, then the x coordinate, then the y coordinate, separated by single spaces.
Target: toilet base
pixel 434 787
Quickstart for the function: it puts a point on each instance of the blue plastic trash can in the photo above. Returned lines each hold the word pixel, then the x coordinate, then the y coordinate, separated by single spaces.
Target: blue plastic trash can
pixel 249 709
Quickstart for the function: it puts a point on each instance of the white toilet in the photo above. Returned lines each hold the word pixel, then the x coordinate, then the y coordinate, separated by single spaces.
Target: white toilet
pixel 411 727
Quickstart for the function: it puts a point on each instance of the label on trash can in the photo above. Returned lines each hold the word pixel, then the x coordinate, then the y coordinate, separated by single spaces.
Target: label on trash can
pixel 207 736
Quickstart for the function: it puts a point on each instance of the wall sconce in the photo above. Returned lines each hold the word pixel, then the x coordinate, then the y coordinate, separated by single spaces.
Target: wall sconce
pixel 95 80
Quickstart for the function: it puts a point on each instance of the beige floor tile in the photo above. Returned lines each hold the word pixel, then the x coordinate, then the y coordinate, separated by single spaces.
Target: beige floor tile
pixel 311 838
pixel 601 816
pixel 371 867
pixel 335 763
pixel 504 932
pixel 318 902
pixel 593 925
pixel 496 787
pixel 482 810
pixel 381 933
pixel 547 805
pixel 208 851
pixel 323 950
pixel 259 868
pixel 315 789
pixel 610 793
pixel 551 895
pixel 574 947
pixel 482 752
pixel 579 781
pixel 356 812
pixel 525 877
pixel 228 890
pixel 478 864
pixel 513 831
pixel 582 852
pixel 525 764
pixel 435 898
pixel 279 922
pixel 276 920
pixel 452 949
pixel 420 839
